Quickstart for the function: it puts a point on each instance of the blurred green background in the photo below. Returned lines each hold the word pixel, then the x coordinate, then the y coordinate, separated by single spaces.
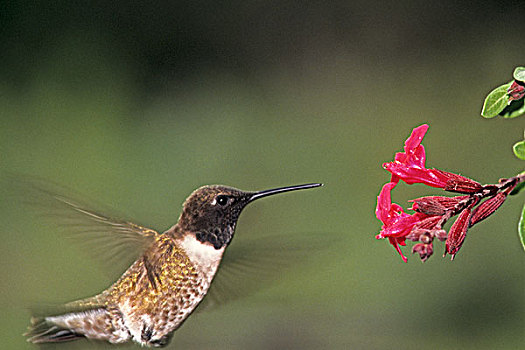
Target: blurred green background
pixel 136 104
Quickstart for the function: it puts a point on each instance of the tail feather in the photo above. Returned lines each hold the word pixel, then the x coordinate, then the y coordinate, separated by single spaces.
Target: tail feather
pixel 98 323
pixel 42 331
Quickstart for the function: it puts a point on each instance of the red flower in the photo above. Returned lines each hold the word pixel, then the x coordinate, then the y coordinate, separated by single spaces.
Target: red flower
pixel 396 223
pixel 432 212
pixel 409 166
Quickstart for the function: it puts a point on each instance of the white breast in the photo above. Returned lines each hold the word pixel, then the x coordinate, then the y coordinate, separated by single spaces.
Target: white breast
pixel 202 254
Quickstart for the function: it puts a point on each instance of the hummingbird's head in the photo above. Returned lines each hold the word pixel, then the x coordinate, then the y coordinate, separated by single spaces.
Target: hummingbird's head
pixel 211 212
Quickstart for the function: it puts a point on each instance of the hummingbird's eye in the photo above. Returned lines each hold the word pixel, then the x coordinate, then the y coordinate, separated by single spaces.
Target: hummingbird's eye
pixel 222 200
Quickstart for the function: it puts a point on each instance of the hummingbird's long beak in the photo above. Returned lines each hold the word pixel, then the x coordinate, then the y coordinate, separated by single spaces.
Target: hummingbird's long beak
pixel 265 193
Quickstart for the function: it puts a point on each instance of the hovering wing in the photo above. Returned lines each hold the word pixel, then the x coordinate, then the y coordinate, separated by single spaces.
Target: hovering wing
pixel 114 240
pixel 250 265
pixel 117 236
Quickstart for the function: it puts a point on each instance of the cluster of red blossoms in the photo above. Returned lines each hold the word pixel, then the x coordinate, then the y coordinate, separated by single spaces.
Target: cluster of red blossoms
pixel 476 203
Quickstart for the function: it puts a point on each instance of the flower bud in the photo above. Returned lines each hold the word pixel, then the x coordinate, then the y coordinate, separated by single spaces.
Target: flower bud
pixel 440 234
pixel 486 208
pixel 436 205
pixel 428 223
pixel 516 91
pixel 460 184
pixel 458 232
pixel 425 250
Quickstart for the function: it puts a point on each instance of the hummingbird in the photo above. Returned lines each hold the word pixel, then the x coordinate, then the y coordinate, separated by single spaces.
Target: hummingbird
pixel 162 288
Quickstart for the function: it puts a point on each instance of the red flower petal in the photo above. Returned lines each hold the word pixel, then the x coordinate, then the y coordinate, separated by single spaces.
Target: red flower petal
pixel 415 138
pixel 396 243
pixel 384 202
pixel 412 174
pixel 396 223
pixel 409 166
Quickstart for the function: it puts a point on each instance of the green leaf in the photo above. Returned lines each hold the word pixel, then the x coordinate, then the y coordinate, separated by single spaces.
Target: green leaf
pixel 496 101
pixel 519 149
pixel 519 74
pixel 514 109
pixel 521 228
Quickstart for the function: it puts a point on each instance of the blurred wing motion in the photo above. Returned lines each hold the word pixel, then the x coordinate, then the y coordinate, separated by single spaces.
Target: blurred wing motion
pixel 119 242
pixel 250 265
